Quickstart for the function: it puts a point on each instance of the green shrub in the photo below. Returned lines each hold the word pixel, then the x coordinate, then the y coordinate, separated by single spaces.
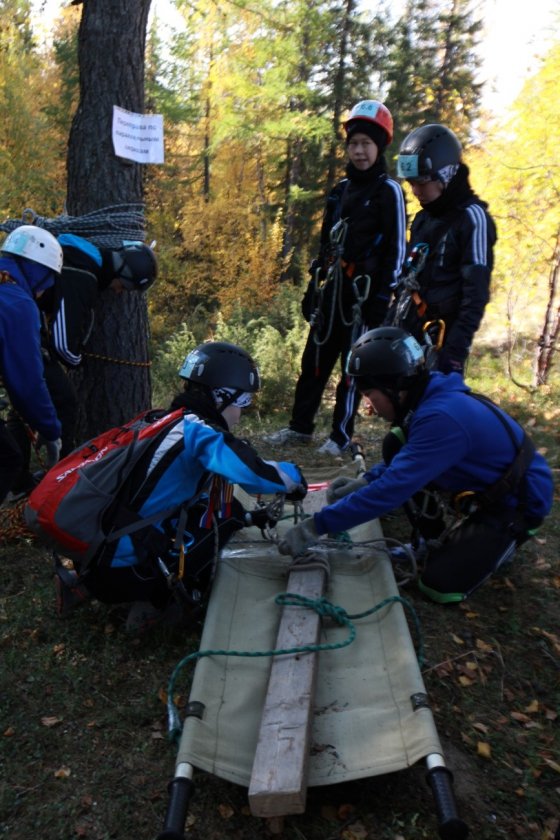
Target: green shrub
pixel 275 342
pixel 166 365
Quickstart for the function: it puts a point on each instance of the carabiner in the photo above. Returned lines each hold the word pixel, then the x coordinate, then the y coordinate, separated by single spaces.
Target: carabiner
pixel 361 298
pixel 440 334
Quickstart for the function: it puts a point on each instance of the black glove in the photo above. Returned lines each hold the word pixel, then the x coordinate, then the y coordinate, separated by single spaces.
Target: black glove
pixel 300 492
pixel 375 308
pixel 313 270
pixel 307 301
pixel 260 518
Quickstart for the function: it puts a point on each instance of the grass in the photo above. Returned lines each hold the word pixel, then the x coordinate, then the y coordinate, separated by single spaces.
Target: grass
pixel 83 744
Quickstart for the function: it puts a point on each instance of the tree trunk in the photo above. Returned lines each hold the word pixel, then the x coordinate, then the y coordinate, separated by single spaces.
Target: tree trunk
pixel 548 338
pixel 113 382
pixel 339 90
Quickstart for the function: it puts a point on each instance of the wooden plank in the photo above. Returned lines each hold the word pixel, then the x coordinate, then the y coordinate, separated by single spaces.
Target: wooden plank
pixel 279 777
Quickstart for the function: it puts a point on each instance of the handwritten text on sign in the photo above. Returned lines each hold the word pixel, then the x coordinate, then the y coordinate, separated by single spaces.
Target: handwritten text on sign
pixel 138 137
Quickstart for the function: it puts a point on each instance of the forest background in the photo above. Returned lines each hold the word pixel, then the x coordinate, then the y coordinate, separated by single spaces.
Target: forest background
pixel 253 100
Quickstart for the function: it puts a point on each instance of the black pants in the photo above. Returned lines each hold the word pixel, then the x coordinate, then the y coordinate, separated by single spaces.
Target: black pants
pixel 11 460
pixel 472 551
pixel 65 401
pixel 146 582
pixel 317 365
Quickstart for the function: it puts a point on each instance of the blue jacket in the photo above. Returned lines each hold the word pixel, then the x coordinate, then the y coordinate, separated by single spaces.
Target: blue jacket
pixel 206 451
pixel 21 360
pixel 454 442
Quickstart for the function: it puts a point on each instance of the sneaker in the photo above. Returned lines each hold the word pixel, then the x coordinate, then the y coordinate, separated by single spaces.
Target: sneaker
pixel 287 435
pixel 69 592
pixel 330 447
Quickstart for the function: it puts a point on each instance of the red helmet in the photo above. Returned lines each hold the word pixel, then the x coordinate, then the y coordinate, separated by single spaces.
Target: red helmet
pixel 370 110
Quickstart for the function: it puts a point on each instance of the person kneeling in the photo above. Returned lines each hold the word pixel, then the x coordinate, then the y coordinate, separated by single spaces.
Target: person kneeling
pixel 451 440
pixel 196 465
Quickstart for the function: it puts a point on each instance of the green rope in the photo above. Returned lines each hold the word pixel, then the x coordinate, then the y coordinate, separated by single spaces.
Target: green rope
pixel 322 607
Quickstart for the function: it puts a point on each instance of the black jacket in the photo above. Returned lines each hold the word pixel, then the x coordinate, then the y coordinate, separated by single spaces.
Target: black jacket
pixel 70 303
pixel 372 205
pixel 455 279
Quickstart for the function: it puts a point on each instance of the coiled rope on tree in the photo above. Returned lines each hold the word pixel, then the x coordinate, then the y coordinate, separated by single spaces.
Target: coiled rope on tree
pixel 107 227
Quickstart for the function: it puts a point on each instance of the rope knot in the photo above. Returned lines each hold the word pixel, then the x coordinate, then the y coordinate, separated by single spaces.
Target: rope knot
pixel 322 606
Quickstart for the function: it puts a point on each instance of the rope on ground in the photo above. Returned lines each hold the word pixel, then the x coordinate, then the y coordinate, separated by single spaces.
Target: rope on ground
pixel 322 607
pixel 106 227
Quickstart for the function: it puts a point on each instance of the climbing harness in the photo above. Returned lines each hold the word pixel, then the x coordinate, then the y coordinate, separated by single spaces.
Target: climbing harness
pixel 335 280
pixel 408 287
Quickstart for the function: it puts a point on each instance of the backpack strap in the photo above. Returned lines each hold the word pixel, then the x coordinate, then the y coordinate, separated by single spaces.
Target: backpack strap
pixel 510 480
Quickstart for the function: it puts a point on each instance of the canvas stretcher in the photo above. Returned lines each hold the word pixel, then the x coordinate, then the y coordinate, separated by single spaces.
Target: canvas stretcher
pixel 369 709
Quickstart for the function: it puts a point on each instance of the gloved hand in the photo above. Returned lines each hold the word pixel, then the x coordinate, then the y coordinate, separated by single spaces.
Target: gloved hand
pixel 260 518
pixel 448 363
pixel 300 491
pixel 374 309
pixel 342 486
pixel 308 301
pixel 313 269
pixel 299 538
pixel 53 448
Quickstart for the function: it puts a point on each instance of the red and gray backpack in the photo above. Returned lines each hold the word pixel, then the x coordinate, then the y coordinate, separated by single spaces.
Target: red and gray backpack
pixel 81 506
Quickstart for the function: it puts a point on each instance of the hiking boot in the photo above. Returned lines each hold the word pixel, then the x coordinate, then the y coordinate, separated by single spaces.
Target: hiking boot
pixel 142 616
pixel 24 486
pixel 330 447
pixel 287 435
pixel 69 592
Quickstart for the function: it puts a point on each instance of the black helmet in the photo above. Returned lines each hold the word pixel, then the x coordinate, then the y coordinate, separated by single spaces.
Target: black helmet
pixel 426 152
pixel 136 266
pixel 387 358
pixel 219 364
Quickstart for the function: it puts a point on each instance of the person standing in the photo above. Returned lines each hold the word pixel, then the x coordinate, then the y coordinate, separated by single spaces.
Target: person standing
pixel 362 248
pixel 445 285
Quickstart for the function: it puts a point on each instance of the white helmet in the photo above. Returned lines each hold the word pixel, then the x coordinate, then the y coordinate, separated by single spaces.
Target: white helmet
pixel 34 243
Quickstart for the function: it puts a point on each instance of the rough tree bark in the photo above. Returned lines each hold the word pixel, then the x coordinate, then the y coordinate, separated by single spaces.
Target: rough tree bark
pixel 111 51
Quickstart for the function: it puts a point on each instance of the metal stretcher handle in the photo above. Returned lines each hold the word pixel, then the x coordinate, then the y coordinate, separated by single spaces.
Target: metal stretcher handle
pixel 450 826
pixel 180 791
